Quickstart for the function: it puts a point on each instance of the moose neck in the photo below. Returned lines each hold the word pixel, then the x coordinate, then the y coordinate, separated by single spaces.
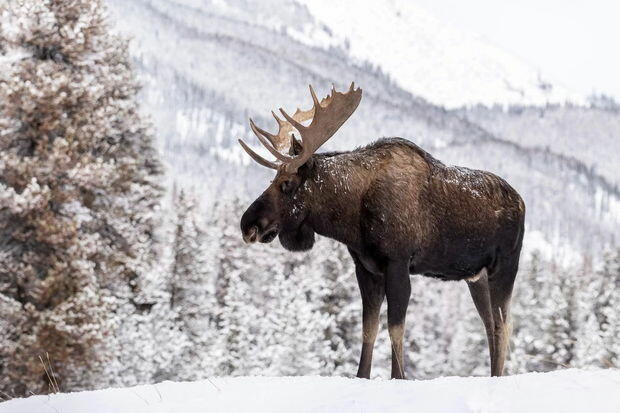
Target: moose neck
pixel 334 191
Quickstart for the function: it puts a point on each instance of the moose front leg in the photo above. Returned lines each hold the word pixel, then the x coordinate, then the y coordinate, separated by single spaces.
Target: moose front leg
pixel 397 291
pixel 372 290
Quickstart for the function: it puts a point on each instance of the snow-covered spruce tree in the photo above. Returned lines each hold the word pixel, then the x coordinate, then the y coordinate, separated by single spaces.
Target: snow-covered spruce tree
pixel 561 329
pixel 531 311
pixel 588 349
pixel 338 297
pixel 237 313
pixel 432 318
pixel 78 193
pixel 292 338
pixel 235 348
pixel 546 317
pixel 606 308
pixel 192 294
pixel 468 351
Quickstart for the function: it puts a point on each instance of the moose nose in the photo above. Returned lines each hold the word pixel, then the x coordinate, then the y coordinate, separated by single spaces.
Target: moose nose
pixel 251 236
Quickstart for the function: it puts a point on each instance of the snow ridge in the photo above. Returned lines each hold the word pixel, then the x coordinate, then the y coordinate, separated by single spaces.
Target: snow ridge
pixel 562 391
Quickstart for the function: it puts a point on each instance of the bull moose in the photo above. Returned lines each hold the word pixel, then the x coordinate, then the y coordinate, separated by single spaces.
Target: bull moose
pixel 399 211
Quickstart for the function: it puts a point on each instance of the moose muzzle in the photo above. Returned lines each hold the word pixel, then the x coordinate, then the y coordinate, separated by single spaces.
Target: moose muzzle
pixel 259 223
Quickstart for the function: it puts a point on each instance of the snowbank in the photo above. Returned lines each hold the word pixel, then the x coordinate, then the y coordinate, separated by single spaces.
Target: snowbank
pixel 562 391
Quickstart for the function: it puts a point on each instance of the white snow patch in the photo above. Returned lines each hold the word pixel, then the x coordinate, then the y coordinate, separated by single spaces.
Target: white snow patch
pixel 13 55
pixel 561 391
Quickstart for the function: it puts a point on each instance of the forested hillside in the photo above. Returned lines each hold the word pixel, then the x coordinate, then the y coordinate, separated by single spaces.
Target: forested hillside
pixel 209 66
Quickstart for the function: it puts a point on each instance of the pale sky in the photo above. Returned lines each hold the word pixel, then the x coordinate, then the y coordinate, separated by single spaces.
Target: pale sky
pixel 572 42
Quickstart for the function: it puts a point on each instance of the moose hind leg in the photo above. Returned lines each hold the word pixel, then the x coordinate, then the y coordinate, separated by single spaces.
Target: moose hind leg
pixel 397 291
pixel 501 282
pixel 372 290
pixel 479 290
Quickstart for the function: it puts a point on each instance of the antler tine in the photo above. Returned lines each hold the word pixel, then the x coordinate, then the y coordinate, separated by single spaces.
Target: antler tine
pixel 314 98
pixel 262 161
pixel 292 121
pixel 280 121
pixel 329 115
pixel 269 144
pixel 257 130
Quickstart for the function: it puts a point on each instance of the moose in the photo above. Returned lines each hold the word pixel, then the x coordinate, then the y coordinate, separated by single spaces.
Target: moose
pixel 399 211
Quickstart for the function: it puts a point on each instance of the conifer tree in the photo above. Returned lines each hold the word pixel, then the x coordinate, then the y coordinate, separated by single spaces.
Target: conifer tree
pixel 432 322
pixel 608 302
pixel 192 294
pixel 332 269
pixel 546 317
pixel 78 192
pixel 292 338
pixel 237 328
pixel 468 345
pixel 588 350
pixel 528 315
pixel 560 331
pixel 237 313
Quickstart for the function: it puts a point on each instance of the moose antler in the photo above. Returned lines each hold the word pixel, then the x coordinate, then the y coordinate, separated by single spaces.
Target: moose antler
pixel 327 117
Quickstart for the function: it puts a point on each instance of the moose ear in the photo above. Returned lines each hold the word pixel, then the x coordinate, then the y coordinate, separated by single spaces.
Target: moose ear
pixel 305 169
pixel 295 148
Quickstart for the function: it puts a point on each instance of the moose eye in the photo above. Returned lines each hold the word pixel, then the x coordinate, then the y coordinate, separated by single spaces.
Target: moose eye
pixel 286 186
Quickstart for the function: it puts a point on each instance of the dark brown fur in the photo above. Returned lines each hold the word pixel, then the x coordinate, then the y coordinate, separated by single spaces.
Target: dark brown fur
pixel 400 211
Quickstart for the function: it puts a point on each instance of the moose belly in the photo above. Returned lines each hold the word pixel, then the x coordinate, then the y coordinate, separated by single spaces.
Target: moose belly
pixel 450 266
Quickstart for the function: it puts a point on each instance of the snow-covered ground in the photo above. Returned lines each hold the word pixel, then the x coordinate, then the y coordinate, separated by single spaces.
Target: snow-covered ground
pixel 560 391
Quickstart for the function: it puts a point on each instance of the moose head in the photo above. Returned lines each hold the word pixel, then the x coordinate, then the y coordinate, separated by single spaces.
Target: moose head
pixel 284 206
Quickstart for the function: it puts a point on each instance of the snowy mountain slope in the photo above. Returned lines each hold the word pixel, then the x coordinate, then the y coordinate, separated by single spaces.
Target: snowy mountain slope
pixel 588 135
pixel 429 59
pixel 208 67
pixel 561 391
pixel 440 63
